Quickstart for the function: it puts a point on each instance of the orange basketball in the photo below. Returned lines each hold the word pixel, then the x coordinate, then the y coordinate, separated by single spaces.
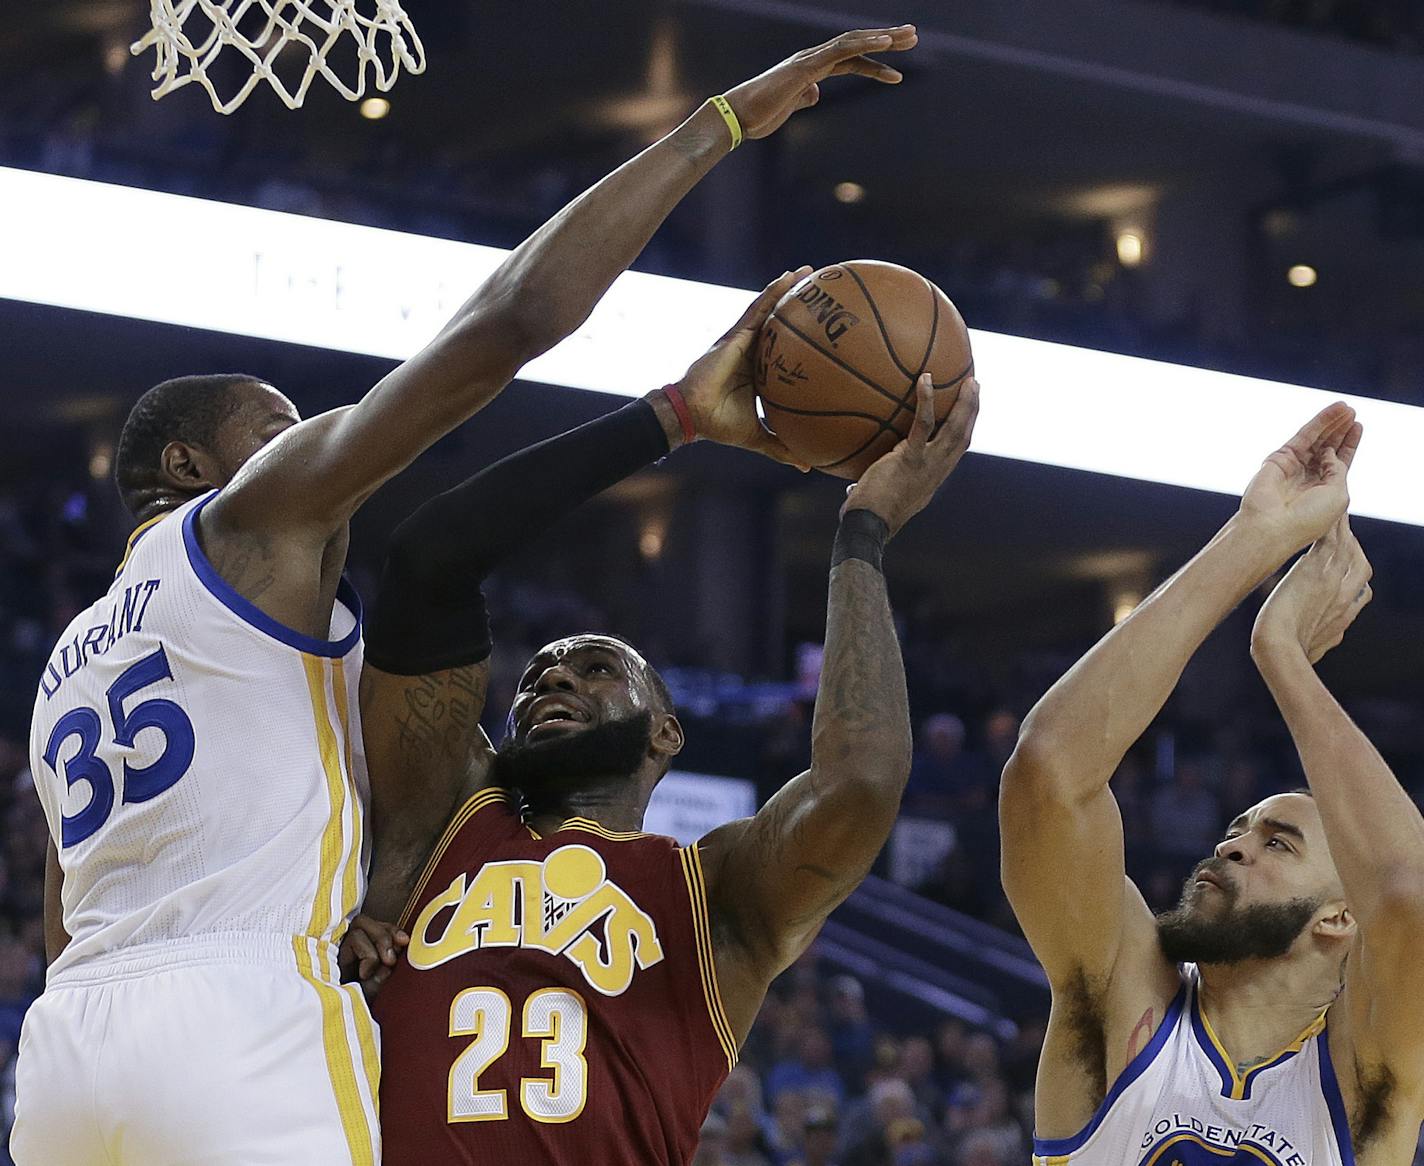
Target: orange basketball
pixel 836 363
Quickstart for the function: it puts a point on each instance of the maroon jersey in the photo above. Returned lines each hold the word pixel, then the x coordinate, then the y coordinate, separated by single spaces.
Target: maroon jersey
pixel 557 1003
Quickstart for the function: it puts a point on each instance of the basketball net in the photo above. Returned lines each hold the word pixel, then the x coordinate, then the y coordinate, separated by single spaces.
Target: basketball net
pixel 384 40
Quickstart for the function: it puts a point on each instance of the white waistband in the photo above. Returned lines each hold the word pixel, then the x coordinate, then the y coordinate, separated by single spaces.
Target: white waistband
pixel 244 948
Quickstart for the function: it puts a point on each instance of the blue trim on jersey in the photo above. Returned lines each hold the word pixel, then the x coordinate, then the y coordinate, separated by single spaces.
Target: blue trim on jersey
pixel 1208 1046
pixel 1060 1147
pixel 1330 1086
pixel 250 613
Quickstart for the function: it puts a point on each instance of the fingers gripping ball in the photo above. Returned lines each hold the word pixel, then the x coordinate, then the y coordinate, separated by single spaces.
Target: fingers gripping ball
pixel 837 361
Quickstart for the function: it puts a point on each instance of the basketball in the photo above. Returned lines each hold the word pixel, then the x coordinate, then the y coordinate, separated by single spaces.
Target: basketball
pixel 837 361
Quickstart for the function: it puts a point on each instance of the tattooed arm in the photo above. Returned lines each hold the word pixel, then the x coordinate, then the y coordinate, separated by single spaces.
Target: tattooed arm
pixel 772 879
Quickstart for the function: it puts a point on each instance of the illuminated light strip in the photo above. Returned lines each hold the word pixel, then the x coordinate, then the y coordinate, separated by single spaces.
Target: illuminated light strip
pixel 176 260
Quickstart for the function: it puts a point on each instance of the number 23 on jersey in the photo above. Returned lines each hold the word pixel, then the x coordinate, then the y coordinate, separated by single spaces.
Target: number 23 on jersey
pixel 557 1017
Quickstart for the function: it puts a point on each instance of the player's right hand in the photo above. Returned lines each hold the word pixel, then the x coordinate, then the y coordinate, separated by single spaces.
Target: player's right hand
pixel 764 103
pixel 718 388
pixel 1301 491
pixel 900 484
pixel 368 953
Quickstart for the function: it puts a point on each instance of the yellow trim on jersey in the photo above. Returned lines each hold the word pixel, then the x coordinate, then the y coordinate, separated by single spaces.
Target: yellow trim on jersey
pixel 348 885
pixel 1053 1160
pixel 1239 1080
pixel 366 1035
pixel 1219 1151
pixel 476 803
pixel 706 963
pixel 321 922
pixel 340 1061
pixel 588 825
pixel 133 538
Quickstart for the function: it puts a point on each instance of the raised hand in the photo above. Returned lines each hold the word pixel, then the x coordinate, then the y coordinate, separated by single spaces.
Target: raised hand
pixel 764 103
pixel 1300 491
pixel 718 387
pixel 1318 600
pixel 900 484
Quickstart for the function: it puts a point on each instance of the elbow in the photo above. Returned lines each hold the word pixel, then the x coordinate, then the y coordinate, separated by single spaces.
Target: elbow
pixel 1035 773
pixel 1034 761
pixel 516 321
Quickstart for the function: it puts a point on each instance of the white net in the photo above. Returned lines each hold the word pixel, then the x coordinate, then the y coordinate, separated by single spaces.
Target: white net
pixel 188 36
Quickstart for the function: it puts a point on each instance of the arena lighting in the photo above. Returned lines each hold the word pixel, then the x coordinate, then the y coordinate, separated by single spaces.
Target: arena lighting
pixel 176 260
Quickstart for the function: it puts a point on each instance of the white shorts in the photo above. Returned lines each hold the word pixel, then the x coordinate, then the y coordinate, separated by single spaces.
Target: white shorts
pixel 173 1058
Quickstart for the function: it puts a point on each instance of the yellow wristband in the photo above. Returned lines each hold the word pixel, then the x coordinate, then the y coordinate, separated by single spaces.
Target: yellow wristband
pixel 730 117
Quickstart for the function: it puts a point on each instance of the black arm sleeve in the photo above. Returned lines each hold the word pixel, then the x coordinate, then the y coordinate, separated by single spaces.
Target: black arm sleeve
pixel 428 613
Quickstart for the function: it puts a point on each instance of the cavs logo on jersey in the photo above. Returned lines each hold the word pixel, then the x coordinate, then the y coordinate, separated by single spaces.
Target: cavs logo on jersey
pixel 1187 1141
pixel 565 905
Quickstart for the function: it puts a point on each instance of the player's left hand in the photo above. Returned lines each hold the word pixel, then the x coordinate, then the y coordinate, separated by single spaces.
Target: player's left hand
pixel 764 103
pixel 1318 600
pixel 718 387
pixel 368 953
pixel 900 484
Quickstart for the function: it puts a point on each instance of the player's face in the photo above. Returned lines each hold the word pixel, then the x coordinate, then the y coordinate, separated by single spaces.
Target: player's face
pixel 577 685
pixel 1269 880
pixel 262 416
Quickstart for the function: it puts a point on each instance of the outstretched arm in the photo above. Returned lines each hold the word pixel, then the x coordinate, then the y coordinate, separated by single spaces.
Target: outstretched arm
pixel 427 640
pixel 312 478
pixel 1056 810
pixel 773 878
pixel 1373 828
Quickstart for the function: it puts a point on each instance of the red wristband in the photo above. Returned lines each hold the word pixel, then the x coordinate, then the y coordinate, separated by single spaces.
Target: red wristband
pixel 679 406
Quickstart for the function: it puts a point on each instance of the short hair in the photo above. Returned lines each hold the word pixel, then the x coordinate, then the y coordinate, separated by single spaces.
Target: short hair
pixel 189 409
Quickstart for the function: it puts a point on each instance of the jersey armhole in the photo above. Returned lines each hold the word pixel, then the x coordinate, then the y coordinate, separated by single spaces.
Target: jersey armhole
pixel 706 963
pixel 1056 1151
pixel 252 615
pixel 474 805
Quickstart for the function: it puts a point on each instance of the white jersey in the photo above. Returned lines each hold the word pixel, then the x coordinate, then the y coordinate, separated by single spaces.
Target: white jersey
pixel 1182 1102
pixel 200 767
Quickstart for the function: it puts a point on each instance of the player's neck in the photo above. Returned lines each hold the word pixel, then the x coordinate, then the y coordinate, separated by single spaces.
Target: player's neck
pixel 1258 1007
pixel 616 804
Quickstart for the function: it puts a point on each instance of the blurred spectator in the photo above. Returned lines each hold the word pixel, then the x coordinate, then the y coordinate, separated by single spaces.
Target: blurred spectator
pixel 945 779
pixel 892 1116
pixel 820 1138
pixel 744 1137
pixel 811 1072
pixel 852 1035
pixel 787 1128
pixel 984 1109
pixel 916 1069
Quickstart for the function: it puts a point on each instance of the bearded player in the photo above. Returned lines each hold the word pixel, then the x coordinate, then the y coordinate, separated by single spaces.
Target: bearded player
pixel 575 990
pixel 197 884
pixel 1277 1014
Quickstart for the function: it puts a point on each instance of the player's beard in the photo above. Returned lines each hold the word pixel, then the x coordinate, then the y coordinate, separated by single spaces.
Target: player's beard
pixel 1193 932
pixel 569 761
